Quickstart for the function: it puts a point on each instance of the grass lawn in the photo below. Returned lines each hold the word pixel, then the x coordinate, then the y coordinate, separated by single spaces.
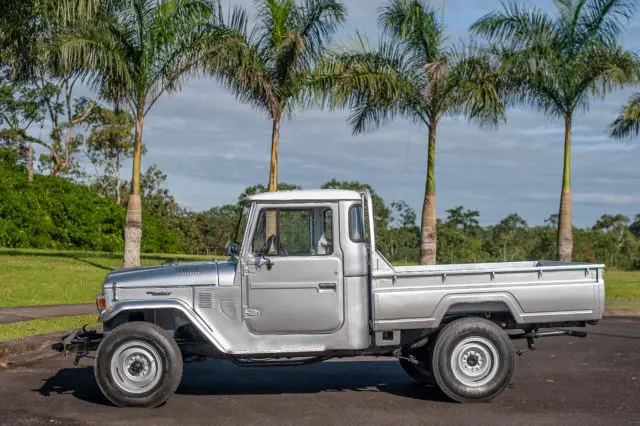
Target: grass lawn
pixel 622 285
pixel 48 277
pixel 44 325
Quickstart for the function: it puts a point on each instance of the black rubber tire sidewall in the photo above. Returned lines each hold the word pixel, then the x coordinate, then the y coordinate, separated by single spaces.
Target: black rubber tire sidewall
pixel 162 342
pixel 440 359
pixel 416 372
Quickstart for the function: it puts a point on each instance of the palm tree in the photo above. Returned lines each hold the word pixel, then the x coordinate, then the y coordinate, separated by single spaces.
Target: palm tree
pixel 558 62
pixel 414 74
pixel 140 51
pixel 270 70
pixel 627 124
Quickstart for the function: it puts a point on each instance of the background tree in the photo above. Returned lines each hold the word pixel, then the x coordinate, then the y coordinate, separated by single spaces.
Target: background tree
pixel 464 219
pixel 627 124
pixel 508 238
pixel 635 226
pixel 413 74
pixel 147 49
pixel 270 71
pixel 558 63
pixel 110 141
pixel 20 107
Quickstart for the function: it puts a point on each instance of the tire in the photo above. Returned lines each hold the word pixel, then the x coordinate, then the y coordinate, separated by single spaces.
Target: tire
pixel 418 372
pixel 472 360
pixel 138 364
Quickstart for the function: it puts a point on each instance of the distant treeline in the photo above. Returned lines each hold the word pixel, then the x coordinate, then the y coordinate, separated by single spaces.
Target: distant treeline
pixel 52 212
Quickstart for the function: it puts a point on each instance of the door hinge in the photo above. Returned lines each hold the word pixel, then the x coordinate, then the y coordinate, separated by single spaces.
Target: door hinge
pixel 251 312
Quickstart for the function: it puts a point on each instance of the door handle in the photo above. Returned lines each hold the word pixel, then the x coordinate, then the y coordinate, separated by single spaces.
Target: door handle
pixel 327 287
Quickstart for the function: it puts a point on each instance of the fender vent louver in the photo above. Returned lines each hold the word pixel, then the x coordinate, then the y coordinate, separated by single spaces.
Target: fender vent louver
pixel 187 270
pixel 205 300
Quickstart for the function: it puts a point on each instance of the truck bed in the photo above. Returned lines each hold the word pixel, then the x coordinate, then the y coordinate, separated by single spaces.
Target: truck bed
pixel 532 292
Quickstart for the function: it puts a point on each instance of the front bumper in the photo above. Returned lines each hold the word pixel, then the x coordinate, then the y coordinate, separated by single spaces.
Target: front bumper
pixel 80 341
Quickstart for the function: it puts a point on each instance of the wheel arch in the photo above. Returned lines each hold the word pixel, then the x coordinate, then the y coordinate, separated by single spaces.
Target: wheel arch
pixel 503 305
pixel 124 309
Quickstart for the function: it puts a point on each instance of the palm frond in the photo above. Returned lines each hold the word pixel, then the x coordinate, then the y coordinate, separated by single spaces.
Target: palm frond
pixel 517 26
pixel 415 23
pixel 474 86
pixel 604 20
pixel 316 22
pixel 627 124
pixel 373 82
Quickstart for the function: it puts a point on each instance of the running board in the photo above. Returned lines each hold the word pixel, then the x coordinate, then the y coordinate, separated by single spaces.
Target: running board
pixel 277 363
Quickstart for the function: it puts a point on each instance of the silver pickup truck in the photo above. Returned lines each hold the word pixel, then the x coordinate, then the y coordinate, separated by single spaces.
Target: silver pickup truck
pixel 306 284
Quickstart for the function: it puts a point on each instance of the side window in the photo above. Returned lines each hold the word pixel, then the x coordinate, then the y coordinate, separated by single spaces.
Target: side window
pixel 294 232
pixel 356 225
pixel 289 229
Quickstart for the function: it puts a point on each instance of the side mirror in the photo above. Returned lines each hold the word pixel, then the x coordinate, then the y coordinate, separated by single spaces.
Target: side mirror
pixel 232 250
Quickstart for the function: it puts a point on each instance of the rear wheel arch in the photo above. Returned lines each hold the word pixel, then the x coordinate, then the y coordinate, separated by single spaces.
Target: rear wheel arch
pixel 500 307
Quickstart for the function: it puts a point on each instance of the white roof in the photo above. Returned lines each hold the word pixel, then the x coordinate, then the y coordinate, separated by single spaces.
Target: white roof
pixel 307 195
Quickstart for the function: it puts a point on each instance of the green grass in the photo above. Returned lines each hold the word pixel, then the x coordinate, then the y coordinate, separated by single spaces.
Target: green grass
pixel 44 325
pixel 622 285
pixel 48 277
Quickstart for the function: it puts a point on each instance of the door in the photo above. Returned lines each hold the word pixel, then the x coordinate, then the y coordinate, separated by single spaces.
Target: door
pixel 294 279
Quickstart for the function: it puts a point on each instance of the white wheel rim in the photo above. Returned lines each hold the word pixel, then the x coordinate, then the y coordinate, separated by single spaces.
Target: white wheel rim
pixel 475 361
pixel 136 367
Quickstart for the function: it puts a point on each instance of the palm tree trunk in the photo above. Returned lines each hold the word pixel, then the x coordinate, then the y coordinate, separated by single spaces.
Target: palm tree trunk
pixel 133 224
pixel 429 233
pixel 116 113
pixel 273 169
pixel 30 162
pixel 271 218
pixel 118 179
pixel 565 227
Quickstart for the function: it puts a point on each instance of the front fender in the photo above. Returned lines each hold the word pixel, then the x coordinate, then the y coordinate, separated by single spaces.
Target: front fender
pixel 143 305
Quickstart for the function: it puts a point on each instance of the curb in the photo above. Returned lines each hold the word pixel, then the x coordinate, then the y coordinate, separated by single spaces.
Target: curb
pixel 28 348
pixel 613 312
pixel 13 314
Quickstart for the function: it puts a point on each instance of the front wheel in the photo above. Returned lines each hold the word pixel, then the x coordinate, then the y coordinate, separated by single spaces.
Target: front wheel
pixel 138 365
pixel 472 360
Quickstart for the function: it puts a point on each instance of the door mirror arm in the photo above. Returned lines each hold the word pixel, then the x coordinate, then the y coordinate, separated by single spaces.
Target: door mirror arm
pixel 264 260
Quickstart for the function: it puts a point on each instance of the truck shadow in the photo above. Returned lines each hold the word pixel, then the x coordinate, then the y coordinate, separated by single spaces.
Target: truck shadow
pixel 218 378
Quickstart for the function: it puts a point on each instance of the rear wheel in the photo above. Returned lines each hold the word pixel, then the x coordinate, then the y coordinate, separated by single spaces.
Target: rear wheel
pixel 138 365
pixel 418 370
pixel 472 360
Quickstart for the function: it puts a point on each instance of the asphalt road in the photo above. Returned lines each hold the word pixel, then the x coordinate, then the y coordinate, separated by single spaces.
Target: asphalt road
pixel 566 381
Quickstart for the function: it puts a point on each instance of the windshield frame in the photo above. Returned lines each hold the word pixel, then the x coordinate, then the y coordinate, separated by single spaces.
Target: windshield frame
pixel 245 212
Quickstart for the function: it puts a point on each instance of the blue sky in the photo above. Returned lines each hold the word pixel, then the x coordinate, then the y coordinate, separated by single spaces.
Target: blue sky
pixel 212 147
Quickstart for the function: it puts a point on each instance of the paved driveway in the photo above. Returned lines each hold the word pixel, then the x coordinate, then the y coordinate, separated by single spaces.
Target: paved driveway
pixel 566 381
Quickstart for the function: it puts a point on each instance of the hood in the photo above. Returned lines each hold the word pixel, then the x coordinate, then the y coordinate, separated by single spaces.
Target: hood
pixel 174 274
